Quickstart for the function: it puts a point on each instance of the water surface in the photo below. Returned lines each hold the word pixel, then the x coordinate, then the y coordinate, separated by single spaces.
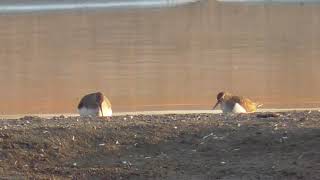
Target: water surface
pixel 160 58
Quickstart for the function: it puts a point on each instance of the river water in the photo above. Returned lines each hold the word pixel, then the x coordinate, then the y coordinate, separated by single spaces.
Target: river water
pixel 160 58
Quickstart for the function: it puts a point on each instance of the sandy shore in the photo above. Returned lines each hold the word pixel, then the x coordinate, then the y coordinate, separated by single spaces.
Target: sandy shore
pixel 17 116
pixel 262 145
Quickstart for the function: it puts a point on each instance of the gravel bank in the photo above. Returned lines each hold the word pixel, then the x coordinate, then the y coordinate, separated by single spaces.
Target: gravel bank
pixel 283 145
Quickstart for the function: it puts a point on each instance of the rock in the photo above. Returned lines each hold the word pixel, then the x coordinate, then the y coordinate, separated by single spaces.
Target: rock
pixel 268 115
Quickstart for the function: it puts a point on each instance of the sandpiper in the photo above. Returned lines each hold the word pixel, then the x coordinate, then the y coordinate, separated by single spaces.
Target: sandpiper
pixel 235 104
pixel 95 104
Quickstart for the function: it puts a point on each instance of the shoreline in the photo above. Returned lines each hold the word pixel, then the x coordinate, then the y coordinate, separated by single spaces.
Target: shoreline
pixel 162 112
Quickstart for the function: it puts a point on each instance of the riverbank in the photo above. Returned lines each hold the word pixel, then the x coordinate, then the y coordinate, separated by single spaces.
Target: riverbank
pixel 262 145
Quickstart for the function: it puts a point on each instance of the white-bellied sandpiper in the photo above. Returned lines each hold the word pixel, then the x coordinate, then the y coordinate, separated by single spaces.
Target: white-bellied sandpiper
pixel 235 104
pixel 95 104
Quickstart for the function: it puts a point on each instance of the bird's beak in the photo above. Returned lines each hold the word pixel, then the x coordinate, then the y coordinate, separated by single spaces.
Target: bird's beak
pixel 218 102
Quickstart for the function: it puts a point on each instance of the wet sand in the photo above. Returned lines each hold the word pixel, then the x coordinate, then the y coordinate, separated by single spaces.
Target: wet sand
pixel 282 145
pixel 165 112
pixel 160 58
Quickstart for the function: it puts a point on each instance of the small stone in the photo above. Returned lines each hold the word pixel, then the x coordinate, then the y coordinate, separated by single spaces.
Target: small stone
pixel 268 115
pixel 128 163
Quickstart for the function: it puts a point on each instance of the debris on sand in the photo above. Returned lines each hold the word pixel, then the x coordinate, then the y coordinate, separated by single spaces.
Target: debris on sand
pixel 126 163
pixel 205 137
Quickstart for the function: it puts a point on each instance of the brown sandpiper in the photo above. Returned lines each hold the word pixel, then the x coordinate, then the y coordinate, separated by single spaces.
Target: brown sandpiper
pixel 235 104
pixel 95 104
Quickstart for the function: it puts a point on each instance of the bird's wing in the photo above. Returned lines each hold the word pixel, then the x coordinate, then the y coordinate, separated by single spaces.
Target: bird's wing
pixel 107 101
pixel 249 105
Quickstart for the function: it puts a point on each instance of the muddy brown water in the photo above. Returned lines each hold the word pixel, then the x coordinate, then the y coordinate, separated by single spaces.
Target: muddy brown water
pixel 160 58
